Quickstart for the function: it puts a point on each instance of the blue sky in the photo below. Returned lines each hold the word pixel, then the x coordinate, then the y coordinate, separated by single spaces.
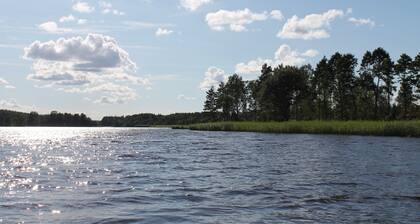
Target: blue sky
pixel 121 57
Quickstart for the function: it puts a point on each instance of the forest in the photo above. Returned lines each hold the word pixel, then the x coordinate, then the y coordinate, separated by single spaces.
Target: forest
pixel 338 88
pixel 13 118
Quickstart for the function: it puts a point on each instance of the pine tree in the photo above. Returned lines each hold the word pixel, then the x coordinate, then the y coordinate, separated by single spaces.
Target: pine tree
pixel 210 105
pixel 384 75
pixel 323 83
pixel 405 70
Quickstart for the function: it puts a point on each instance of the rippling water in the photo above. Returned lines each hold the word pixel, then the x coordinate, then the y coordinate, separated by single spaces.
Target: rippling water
pixel 140 175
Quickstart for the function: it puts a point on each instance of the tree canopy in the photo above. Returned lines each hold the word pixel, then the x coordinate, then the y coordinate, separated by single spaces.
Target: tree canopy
pixel 337 89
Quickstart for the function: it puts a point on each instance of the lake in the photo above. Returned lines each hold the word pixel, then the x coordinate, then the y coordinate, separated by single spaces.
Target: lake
pixel 153 175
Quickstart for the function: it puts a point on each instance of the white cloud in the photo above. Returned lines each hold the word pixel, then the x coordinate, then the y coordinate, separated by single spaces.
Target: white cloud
pixel 193 5
pixel 284 55
pixel 108 9
pixel 105 5
pixel 277 14
pixel 133 25
pixel 68 18
pixel 312 26
pixel 94 52
pixel 184 97
pixel 116 93
pixel 163 32
pixel 95 63
pixel 12 104
pixel 310 53
pixel 81 21
pixel 8 104
pixel 6 84
pixel 52 27
pixel 235 20
pixel 362 21
pixel 253 66
pixel 212 77
pixel 83 7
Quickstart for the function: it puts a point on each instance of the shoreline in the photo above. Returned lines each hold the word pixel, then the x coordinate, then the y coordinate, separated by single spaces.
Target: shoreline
pixel 361 128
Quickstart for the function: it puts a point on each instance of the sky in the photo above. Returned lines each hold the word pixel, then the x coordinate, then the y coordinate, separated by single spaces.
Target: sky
pixel 121 57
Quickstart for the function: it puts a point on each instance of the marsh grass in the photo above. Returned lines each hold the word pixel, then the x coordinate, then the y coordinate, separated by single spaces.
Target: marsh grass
pixel 376 128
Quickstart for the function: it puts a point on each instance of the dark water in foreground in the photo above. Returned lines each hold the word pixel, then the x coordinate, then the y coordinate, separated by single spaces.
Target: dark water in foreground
pixel 109 175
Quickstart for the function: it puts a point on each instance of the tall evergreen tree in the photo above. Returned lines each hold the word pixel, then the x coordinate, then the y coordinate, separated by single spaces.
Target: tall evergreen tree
pixel 323 83
pixel 261 103
pixel 383 73
pixel 210 105
pixel 405 71
pixel 251 98
pixel 366 89
pixel 223 101
pixel 343 68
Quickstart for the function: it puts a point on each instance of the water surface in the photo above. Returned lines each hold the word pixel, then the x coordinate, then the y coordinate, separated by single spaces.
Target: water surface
pixel 141 175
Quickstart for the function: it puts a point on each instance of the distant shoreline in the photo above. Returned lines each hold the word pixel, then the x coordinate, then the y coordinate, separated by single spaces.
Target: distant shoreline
pixel 363 128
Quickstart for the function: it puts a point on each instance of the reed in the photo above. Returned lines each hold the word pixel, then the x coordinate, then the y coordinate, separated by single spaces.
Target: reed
pixel 374 128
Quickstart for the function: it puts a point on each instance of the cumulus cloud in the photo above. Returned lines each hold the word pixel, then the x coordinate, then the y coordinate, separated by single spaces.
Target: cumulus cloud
pixel 94 63
pixel 234 20
pixel 5 84
pixel 193 5
pixel 52 27
pixel 68 18
pixel 95 52
pixel 312 26
pixel 184 97
pixel 83 7
pixel 310 53
pixel 108 9
pixel 277 14
pixel 253 66
pixel 163 32
pixel 212 77
pixel 362 21
pixel 283 55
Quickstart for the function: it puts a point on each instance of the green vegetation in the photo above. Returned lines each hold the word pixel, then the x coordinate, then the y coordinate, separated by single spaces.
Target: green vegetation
pixel 338 88
pixel 139 120
pixel 13 118
pixel 376 128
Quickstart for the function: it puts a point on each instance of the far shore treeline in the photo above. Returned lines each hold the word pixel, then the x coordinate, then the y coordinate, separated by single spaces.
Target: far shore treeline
pixel 13 118
pixel 338 88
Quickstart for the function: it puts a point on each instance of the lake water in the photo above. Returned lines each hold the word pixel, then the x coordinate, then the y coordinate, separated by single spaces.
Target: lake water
pixel 141 175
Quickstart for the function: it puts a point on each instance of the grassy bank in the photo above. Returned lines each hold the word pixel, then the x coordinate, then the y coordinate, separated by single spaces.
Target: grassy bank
pixel 377 128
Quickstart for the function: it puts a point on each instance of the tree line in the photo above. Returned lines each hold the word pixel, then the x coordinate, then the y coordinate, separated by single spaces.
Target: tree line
pixel 13 118
pixel 338 88
pixel 148 119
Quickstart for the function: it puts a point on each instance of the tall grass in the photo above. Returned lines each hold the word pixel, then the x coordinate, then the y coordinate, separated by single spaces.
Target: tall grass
pixel 378 128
